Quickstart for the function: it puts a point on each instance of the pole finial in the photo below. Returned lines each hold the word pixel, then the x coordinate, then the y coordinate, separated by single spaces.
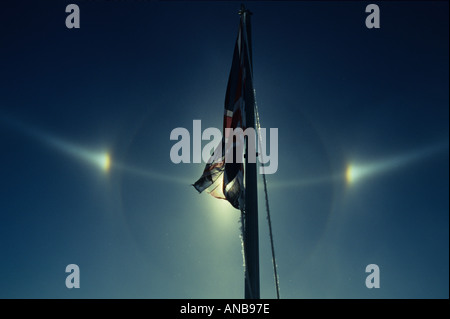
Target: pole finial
pixel 243 10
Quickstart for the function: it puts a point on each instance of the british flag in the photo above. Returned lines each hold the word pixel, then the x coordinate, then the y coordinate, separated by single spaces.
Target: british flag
pixel 224 178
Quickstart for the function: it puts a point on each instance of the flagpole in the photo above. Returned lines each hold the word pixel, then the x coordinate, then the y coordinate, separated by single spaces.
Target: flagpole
pixel 251 236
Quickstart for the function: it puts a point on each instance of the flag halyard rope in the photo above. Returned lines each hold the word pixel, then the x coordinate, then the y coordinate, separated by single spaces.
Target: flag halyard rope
pixel 269 221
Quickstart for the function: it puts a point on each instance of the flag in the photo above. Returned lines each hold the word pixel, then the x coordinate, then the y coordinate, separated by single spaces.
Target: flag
pixel 222 178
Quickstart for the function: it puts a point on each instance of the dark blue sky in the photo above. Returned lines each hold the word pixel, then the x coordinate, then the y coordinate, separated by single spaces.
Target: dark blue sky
pixel 342 96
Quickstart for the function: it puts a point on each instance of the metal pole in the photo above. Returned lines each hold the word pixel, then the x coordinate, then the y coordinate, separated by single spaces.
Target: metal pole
pixel 251 236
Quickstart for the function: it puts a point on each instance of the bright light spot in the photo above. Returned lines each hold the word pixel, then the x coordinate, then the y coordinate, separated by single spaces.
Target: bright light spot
pixel 221 212
pixel 353 173
pixel 349 174
pixel 105 162
pixel 101 160
pixel 95 158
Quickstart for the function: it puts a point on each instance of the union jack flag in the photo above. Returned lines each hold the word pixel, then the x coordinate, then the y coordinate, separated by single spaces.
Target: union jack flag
pixel 225 179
